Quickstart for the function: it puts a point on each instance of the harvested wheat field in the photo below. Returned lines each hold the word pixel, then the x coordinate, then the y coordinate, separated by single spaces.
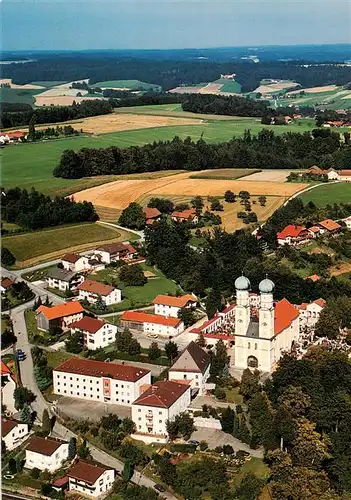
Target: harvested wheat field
pixel 28 86
pixel 315 90
pixel 119 194
pixel 61 100
pixel 274 87
pixel 269 175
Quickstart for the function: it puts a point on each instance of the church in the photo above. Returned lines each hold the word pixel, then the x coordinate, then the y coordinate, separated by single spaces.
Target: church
pixel 262 334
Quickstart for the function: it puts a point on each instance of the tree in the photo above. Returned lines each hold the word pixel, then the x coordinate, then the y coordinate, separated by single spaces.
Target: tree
pixel 35 473
pixel 227 420
pixel 75 343
pixel 8 338
pixel 172 429
pixel 22 396
pixel 133 275
pixel 203 445
pixel 244 196
pixel 128 426
pixel 133 216
pixel 229 196
pixel 201 340
pixel 7 258
pixel 72 448
pixel 26 415
pixel 171 350
pixel 309 449
pixel 185 425
pixel 154 351
pixel 219 393
pixel 250 383
pixel 46 423
pixel 167 471
pixel 213 303
pixel 219 359
pixel 262 200
pixel 83 450
pixel 216 205
pixel 164 205
pixel 327 325
pixel 3 448
pixel 46 489
pixel 198 203
pixel 126 343
pixel 12 466
pixel 100 305
pixel 187 316
pixel 37 303
pixel 31 128
pixel 228 449
pixel 250 487
pixel 128 471
pixel 110 422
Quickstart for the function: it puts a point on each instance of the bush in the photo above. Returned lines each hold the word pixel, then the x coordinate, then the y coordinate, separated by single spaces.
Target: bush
pixel 133 275
pixel 220 393
pixel 35 473
pixel 7 258
pixel 228 449
pixel 183 447
pixel 203 445
pixel 219 449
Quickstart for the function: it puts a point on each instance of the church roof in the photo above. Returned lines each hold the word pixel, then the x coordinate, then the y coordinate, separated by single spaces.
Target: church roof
pixel 284 314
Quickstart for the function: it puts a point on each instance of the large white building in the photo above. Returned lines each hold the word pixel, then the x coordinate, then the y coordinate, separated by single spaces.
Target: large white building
pixel 192 364
pixel 100 381
pixel 261 339
pixel 8 386
pixel 162 401
pixel 90 478
pixel 166 305
pixel 45 453
pixel 113 252
pixel 96 332
pixel 91 290
pixel 152 323
pixel 13 433
pixel 309 312
pixel 63 279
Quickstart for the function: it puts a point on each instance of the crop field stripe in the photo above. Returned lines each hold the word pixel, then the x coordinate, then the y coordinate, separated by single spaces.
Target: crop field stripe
pixel 328 194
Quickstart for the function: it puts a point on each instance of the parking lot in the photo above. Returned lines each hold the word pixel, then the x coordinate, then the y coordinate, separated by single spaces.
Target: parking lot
pixel 215 437
pixel 80 409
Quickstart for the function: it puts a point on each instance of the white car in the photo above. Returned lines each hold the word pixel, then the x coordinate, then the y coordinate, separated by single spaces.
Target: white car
pixel 152 335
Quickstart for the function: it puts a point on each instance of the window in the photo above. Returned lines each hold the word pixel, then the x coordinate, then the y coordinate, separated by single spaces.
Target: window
pixel 160 421
pixel 139 418
pixel 139 410
pixel 184 376
pixel 160 412
pixel 196 376
pixel 255 347
pixel 249 345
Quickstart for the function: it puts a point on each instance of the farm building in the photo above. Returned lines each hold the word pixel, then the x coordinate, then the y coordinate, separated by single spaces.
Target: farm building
pixel 293 234
pixel 152 323
pixel 151 214
pixel 185 216
pixel 166 305
pixel 62 315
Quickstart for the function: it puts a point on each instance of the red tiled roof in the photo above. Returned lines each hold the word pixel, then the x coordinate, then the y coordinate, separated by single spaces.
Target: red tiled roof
pixel 162 394
pixel 313 277
pixel 320 302
pixel 117 371
pixel 141 317
pixel 229 308
pixel 291 230
pixel 151 213
pixel 61 310
pixel 314 229
pixel 168 300
pixel 71 257
pixel 44 445
pixel 6 283
pixel 95 287
pixel 284 315
pixel 60 482
pixel 345 173
pixel 7 426
pixel 88 324
pixel 185 214
pixel 5 370
pixel 113 248
pixel 87 471
pixel 329 224
pixel 16 133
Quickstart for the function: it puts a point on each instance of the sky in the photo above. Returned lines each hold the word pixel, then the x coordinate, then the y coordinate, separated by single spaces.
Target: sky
pixel 166 24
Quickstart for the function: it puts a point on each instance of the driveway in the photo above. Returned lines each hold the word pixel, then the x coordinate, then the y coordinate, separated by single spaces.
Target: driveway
pixel 215 437
pixel 78 409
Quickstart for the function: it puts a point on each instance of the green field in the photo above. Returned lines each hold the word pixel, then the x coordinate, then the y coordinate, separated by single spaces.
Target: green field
pixel 37 245
pixel 229 85
pixel 22 96
pixel 31 164
pixel 128 84
pixel 329 194
pixel 51 83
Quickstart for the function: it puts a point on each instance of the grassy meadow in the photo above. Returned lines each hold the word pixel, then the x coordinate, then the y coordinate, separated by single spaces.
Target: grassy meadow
pixel 328 194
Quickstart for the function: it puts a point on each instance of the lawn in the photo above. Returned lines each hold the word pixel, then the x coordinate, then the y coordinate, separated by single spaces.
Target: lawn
pixel 49 244
pixel 57 357
pixel 31 164
pixel 328 194
pixel 253 466
pixel 137 296
pixel 233 396
pixel 229 85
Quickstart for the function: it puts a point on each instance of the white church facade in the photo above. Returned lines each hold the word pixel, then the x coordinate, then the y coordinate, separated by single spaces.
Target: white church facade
pixel 262 337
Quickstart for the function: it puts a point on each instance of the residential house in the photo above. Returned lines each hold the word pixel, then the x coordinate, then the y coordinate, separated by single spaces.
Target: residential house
pixel 313 277
pixel 328 226
pixel 5 285
pixel 315 170
pixel 8 386
pixel 63 279
pixel 45 453
pixel 13 433
pixel 339 175
pixel 188 215
pixel 91 290
pixel 114 383
pixel 347 221
pixel 96 332
pixel 152 323
pixel 293 234
pixel 309 312
pixel 75 262
pixel 90 478
pixel 166 305
pixel 113 252
pixel 61 315
pixel 152 215
pixel 192 364
pixel 161 402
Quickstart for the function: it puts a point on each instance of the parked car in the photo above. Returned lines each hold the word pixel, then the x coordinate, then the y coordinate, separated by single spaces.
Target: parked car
pixel 159 487
pixel 20 354
pixel 193 441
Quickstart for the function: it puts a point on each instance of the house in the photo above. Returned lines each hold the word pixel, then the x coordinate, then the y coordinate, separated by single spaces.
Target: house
pixel 335 123
pixel 16 136
pixel 309 312
pixel 8 386
pixel 115 383
pixel 315 170
pixel 288 119
pixel 332 175
pixel 344 175
pixel 213 329
pixel 185 216
pixel 91 290
pixel 314 231
pixel 152 323
pixel 151 214
pixel 328 226
pixel 166 305
pixel 313 277
pixel 347 221
pixel 90 478
pixel 75 262
pixel 96 332
pixel 293 234
pixel 61 315
pixel 113 252
pixel 13 433
pixel 45 453
pixel 5 285
pixel 63 279
pixel 162 401
pixel 192 364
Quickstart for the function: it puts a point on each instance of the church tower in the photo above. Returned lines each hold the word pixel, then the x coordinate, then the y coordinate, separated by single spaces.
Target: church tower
pixel 242 309
pixel 266 309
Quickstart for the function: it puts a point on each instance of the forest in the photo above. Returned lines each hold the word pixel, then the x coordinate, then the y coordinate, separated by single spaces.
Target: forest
pixel 265 150
pixel 223 105
pixel 34 210
pixel 171 73
pixel 55 114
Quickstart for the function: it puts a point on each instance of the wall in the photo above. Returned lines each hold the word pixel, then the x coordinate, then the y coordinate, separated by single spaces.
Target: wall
pixel 43 462
pixel 101 485
pixel 210 423
pixel 15 437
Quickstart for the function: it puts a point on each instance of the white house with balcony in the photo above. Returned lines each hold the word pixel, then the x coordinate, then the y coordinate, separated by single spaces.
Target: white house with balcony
pixel 63 279
pixel 45 453
pixel 166 305
pixel 90 478
pixel 309 312
pixel 193 365
pixel 13 433
pixel 91 290
pixel 96 332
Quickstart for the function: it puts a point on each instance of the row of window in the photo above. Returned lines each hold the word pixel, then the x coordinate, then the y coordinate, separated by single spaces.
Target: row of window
pixel 150 411
pixel 106 383
pixel 97 396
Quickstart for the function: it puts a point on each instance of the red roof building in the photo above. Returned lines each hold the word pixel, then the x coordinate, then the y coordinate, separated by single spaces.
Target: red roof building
pixel 185 215
pixel 95 287
pixel 284 314
pixel 61 310
pixel 293 234
pixel 151 214
pixel 139 320
pixel 87 471
pixel 88 324
pixel 168 300
pixel 162 394
pixel 329 225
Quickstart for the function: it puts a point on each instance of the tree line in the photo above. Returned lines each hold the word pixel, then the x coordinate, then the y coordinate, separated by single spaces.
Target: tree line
pixel 265 150
pixel 34 210
pixel 54 114
pixel 223 105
